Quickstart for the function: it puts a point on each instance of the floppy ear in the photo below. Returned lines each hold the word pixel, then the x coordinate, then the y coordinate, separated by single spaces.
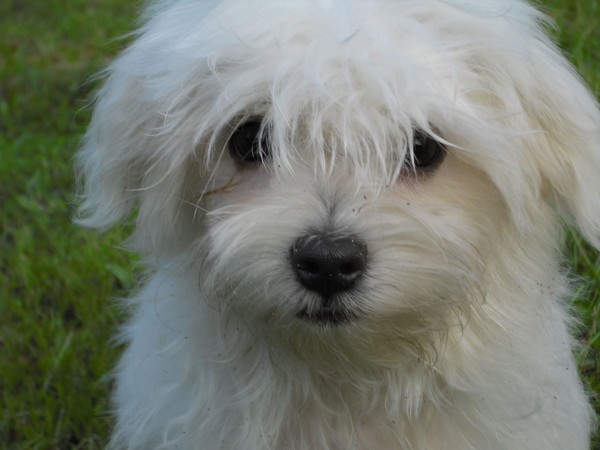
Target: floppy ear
pixel 130 162
pixel 567 150
pixel 109 163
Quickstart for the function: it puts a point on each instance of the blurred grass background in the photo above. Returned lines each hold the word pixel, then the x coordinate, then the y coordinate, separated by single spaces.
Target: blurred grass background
pixel 56 280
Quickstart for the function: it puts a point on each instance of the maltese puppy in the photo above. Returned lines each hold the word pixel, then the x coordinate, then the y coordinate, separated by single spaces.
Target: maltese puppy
pixel 351 213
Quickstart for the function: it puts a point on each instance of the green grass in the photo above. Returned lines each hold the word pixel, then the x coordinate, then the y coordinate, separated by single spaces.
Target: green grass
pixel 55 279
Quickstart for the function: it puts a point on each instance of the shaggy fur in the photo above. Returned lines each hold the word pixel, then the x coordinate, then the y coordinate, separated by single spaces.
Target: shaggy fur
pixel 457 334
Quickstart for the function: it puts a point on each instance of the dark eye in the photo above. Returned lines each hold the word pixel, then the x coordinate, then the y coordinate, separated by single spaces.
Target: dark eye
pixel 248 145
pixel 427 151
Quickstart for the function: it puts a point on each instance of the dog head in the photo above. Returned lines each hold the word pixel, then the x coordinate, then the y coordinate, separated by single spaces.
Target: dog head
pixel 330 163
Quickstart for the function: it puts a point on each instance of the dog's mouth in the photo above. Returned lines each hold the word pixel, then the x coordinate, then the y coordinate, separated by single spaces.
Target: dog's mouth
pixel 327 316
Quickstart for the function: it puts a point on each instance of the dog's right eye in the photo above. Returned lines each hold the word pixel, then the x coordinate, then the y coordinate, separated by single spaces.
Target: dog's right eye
pixel 248 145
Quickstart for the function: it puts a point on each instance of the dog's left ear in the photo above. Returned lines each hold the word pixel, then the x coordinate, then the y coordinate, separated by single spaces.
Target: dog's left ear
pixel 566 150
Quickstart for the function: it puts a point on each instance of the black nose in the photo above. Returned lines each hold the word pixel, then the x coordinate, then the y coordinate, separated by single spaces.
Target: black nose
pixel 327 264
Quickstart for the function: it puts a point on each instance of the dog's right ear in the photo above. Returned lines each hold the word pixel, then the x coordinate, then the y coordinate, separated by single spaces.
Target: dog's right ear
pixel 131 159
pixel 143 156
pixel 109 163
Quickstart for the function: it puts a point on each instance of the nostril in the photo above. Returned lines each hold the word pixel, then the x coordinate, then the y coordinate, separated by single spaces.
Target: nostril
pixel 307 266
pixel 349 268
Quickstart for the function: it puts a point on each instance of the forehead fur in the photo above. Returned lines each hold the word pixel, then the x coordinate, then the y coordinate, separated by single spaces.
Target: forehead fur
pixel 350 78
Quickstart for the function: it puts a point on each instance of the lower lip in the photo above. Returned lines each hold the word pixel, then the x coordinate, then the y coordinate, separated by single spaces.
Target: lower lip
pixel 327 317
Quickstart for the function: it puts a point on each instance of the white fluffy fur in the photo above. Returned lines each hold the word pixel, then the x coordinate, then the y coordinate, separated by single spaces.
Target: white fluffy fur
pixel 463 340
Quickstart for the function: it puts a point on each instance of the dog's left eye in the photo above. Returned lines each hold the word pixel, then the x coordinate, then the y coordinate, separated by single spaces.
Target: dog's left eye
pixel 428 152
pixel 248 145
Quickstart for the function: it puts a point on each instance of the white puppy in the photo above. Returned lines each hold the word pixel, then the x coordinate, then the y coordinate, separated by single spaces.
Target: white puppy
pixel 351 212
